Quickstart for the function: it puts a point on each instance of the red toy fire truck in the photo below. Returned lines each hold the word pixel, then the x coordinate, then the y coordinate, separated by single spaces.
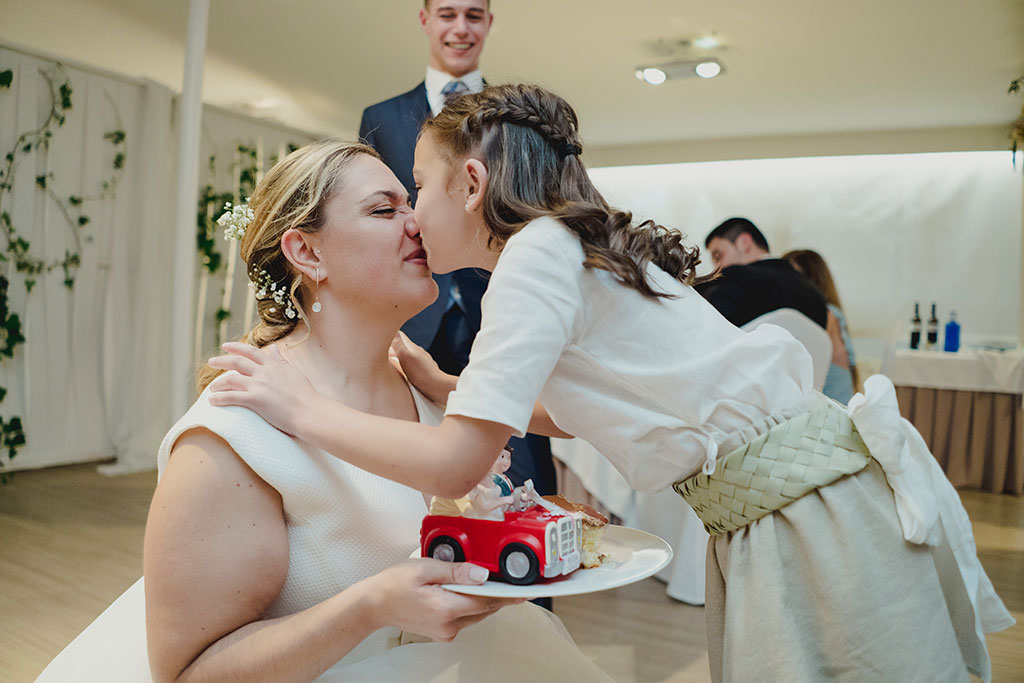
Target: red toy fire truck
pixel 535 540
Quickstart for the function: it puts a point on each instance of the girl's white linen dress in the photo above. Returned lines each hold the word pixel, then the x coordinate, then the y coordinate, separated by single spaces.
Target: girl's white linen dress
pixel 344 524
pixel 873 578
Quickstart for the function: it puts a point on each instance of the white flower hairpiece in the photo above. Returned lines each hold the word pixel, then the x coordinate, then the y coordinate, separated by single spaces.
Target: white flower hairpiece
pixel 266 288
pixel 235 220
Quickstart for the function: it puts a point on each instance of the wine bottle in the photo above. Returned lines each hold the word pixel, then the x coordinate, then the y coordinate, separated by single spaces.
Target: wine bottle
pixel 933 330
pixel 952 342
pixel 915 328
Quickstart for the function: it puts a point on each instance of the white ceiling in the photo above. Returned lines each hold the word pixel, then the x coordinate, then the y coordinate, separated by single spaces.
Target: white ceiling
pixel 793 66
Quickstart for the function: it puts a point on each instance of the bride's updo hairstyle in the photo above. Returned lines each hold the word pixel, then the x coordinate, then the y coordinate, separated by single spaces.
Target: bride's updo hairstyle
pixel 293 194
pixel 528 138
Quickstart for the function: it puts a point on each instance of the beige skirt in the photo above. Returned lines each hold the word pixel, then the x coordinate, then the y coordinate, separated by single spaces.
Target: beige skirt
pixel 827 589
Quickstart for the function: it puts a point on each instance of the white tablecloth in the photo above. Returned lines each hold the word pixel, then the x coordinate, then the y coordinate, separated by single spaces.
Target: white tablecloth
pixel 663 513
pixel 966 370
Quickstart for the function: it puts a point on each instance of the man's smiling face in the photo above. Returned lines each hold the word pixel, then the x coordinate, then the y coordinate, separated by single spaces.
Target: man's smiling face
pixel 456 30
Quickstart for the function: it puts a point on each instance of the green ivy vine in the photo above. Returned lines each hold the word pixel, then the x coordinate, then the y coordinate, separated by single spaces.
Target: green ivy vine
pixel 211 206
pixel 1017 131
pixel 16 250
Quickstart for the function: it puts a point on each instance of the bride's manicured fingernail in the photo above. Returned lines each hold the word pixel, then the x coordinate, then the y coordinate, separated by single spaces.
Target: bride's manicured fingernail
pixel 478 574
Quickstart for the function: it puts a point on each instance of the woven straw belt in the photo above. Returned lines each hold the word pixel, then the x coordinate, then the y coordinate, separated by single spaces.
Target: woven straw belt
pixel 792 459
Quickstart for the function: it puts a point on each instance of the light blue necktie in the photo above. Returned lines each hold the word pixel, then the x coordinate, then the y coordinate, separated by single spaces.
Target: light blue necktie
pixel 453 88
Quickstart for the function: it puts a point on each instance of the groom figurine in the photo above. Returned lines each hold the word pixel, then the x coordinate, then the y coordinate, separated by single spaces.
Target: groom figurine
pixel 455 30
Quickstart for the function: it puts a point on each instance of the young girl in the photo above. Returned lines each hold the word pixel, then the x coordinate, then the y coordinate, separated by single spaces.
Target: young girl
pixel 810 572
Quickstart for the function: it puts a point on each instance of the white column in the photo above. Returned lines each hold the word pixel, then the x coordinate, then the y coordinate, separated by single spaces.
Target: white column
pixel 190 108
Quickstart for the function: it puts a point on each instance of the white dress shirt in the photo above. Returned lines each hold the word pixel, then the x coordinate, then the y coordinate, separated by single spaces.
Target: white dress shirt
pixel 436 80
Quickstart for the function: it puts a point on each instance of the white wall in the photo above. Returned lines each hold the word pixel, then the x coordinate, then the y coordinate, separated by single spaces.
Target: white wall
pixel 895 229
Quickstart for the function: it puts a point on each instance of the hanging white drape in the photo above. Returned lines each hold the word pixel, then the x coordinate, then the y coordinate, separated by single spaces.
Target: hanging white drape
pixel 222 134
pixel 82 382
pixel 93 378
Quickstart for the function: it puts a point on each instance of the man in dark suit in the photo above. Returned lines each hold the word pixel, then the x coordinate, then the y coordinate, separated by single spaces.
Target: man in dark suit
pixel 456 31
pixel 752 282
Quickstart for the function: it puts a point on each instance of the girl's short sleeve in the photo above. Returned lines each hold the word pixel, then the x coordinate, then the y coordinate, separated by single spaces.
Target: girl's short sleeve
pixel 530 312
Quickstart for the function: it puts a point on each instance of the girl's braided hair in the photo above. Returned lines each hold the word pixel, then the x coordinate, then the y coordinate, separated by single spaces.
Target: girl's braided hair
pixel 528 138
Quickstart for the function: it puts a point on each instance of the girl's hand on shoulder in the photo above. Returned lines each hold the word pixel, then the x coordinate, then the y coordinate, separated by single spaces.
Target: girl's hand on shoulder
pixel 264 382
pixel 409 596
pixel 421 370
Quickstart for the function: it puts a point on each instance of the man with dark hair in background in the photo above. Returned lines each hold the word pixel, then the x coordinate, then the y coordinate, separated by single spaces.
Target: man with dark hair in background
pixel 752 281
pixel 456 31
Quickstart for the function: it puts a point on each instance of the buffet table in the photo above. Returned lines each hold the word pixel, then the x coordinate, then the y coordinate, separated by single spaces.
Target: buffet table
pixel 967 406
pixel 585 475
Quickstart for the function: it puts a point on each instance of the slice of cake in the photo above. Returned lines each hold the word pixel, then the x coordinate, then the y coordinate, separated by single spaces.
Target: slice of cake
pixel 593 529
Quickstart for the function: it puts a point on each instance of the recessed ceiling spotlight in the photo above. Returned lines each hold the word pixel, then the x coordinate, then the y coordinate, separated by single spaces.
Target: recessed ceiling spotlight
pixel 652 75
pixel 708 69
pixel 706 42
pixel 656 75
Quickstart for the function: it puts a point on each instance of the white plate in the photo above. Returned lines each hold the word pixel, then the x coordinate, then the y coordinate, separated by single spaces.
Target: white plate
pixel 632 555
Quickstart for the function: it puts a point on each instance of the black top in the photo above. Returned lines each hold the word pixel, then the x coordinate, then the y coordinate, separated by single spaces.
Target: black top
pixel 743 293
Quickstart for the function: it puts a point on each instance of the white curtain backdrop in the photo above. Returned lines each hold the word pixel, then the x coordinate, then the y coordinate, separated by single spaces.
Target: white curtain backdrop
pixel 85 382
pixel 894 229
pixel 92 379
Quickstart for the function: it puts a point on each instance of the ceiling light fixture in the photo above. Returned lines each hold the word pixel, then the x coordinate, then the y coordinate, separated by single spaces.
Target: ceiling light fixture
pixel 656 75
pixel 708 69
pixel 706 42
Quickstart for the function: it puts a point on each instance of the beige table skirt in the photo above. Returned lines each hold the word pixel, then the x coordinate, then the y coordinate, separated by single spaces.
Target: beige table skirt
pixel 977 437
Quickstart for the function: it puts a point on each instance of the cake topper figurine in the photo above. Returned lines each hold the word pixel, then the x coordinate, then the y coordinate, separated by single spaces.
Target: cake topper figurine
pixel 488 500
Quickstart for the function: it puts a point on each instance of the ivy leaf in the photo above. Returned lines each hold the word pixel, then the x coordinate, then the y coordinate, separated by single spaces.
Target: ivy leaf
pixel 221 315
pixel 6 78
pixel 214 262
pixel 83 220
pixel 119 160
pixel 3 393
pixel 14 433
pixel 74 201
pixel 41 181
pixel 65 96
pixel 115 136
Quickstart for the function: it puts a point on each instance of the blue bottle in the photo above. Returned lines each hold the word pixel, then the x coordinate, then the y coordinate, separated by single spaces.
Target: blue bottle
pixel 952 342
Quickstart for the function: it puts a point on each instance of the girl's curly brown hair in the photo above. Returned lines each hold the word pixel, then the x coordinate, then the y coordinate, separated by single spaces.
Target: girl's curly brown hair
pixel 528 138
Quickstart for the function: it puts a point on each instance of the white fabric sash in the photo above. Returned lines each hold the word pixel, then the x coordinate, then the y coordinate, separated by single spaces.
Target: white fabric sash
pixel 927 504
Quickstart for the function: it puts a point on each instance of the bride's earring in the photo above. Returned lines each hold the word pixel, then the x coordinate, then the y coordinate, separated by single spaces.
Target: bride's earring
pixel 316 304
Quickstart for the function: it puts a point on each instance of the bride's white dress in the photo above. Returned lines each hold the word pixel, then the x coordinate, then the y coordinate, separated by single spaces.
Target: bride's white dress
pixel 344 524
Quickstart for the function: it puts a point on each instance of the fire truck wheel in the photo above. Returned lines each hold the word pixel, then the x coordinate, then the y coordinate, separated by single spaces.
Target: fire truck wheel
pixel 446 549
pixel 518 564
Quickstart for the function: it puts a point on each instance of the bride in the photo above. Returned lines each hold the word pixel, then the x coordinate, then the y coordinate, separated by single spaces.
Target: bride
pixel 266 558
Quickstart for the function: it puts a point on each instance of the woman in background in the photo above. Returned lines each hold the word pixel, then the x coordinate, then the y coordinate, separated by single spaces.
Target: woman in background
pixel 842 380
